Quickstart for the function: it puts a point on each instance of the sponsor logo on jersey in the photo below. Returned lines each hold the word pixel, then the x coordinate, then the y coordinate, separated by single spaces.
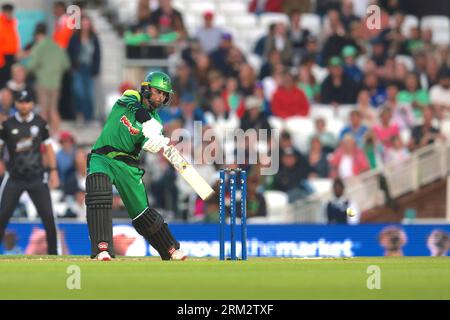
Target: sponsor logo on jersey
pixel 24 144
pixel 34 130
pixel 128 124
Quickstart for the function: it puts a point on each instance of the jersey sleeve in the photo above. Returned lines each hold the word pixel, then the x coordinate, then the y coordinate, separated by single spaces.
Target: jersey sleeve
pixel 142 115
pixel 45 134
pixel 130 99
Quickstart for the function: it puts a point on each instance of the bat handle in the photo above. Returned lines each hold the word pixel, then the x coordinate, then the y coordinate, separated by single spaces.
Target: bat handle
pixel 166 146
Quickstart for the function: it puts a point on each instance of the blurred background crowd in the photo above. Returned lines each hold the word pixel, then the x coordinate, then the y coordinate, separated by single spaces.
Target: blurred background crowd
pixel 345 97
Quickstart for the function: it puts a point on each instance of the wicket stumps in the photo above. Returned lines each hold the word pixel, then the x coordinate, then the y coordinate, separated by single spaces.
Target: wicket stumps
pixel 238 179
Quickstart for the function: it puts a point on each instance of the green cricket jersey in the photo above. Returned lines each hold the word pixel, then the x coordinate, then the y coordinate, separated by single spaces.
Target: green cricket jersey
pixel 116 151
pixel 122 137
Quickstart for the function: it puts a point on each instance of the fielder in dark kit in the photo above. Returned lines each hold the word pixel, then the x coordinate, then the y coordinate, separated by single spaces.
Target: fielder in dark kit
pixel 24 135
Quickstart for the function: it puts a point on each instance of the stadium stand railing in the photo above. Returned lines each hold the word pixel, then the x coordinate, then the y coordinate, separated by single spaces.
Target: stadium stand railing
pixel 424 166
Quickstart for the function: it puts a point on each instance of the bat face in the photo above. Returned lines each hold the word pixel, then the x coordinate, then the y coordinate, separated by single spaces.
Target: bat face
pixel 175 158
pixel 188 172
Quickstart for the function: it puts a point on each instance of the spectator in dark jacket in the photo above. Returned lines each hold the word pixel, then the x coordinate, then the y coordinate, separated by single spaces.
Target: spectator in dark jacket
pixel 268 66
pixel 426 133
pixel 280 41
pixel 253 117
pixel 336 39
pixel 338 88
pixel 379 53
pixel 297 35
pixel 184 80
pixel 347 14
pixel 293 174
pixel 318 158
pixel 260 44
pixel 84 53
pixel 219 56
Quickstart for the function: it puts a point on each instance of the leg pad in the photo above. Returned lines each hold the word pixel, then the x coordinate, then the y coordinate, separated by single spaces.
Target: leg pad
pixel 99 217
pixel 152 227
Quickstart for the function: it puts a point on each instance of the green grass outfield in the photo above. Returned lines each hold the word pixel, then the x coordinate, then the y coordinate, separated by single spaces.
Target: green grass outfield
pixel 42 277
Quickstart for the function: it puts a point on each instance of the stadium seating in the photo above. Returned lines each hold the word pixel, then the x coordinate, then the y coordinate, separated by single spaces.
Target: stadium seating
pixel 301 129
pixel 277 206
pixel 191 23
pixel 199 7
pixel 127 12
pixel 440 25
pixel 272 17
pixel 344 111
pixel 232 8
pixel 410 22
pixel 276 123
pixel 406 60
pixel 244 21
pixel 322 110
pixel 220 20
pixel 180 5
pixel 311 22
pixel 254 60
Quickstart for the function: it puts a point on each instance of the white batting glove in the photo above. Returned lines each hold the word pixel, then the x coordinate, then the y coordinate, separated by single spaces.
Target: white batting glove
pixel 155 143
pixel 151 128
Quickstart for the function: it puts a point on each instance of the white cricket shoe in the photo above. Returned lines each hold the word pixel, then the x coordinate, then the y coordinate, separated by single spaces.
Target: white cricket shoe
pixel 178 255
pixel 103 256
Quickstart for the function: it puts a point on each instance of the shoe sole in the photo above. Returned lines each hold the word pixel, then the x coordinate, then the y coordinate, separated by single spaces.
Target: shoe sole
pixel 182 259
pixel 104 259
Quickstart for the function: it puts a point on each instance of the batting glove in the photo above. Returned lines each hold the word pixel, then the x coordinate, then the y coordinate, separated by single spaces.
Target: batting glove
pixel 155 143
pixel 151 128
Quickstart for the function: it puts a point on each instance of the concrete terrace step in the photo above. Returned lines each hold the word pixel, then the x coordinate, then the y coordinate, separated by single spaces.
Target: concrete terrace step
pixel 85 134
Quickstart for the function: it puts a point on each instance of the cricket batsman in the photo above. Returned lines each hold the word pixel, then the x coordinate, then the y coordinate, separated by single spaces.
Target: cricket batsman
pixel 132 125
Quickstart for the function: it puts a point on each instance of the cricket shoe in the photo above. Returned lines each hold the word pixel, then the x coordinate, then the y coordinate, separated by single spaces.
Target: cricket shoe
pixel 103 256
pixel 178 255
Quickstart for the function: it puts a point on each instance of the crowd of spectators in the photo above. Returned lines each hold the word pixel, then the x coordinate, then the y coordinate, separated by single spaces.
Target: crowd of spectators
pixel 398 85
pixel 58 69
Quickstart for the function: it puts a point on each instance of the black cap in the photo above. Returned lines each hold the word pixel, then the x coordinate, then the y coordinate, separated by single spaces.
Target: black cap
pixel 24 96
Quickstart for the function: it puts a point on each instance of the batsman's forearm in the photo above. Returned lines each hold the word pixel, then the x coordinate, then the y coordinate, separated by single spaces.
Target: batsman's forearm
pixel 51 156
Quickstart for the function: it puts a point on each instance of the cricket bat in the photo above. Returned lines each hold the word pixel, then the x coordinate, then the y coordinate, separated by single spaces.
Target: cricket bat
pixel 188 172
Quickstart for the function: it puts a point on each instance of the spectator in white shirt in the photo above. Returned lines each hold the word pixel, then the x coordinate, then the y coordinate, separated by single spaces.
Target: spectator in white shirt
pixel 398 152
pixel 209 35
